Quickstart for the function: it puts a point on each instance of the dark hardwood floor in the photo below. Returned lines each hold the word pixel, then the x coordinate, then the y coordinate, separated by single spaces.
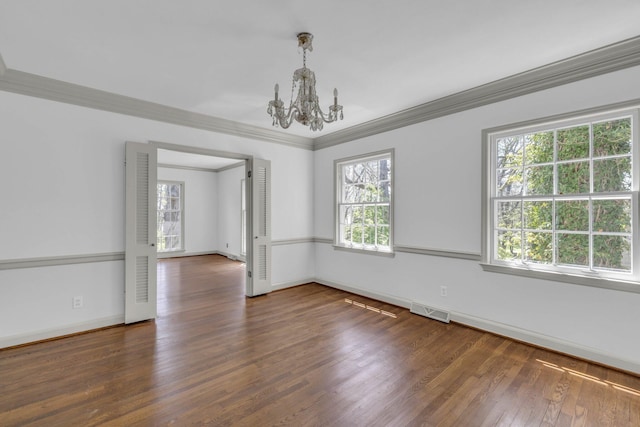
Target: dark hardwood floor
pixel 304 356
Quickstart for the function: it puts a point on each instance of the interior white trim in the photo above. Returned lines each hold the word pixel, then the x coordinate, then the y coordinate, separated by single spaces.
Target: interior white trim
pixel 389 299
pixel 189 168
pixel 297 241
pixel 512 332
pixel 56 90
pixel 547 342
pixel 11 264
pixel 61 331
pixel 437 252
pixel 292 284
pixel 607 59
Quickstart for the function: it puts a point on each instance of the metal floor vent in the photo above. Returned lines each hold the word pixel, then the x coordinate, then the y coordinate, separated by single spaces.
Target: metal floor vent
pixel 430 312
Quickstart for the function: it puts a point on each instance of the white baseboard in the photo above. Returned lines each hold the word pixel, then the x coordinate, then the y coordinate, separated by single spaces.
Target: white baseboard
pixel 285 285
pixel 530 337
pixel 389 299
pixel 548 342
pixel 60 331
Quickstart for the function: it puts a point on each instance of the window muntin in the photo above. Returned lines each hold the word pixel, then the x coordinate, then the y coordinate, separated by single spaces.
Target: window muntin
pixel 563 197
pixel 364 202
pixel 170 223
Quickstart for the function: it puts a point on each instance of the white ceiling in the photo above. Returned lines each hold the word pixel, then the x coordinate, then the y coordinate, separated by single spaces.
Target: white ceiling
pixel 222 58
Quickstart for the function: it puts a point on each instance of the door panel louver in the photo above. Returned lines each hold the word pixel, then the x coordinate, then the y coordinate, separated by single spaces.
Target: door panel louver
pixel 142 185
pixel 262 262
pixel 261 177
pixel 142 279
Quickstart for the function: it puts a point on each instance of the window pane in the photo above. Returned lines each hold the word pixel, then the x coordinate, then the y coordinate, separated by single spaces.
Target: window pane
pixel 572 215
pixel 353 193
pixel 509 215
pixel 612 252
pixel 384 191
pixel 612 174
pixel 369 215
pixel 572 249
pixel 539 147
pixel 573 143
pixel 612 216
pixel 175 190
pixel 612 137
pixel 509 151
pixel 538 215
pixel 539 180
pixel 370 235
pixel 371 169
pixel 509 182
pixel 385 170
pixel 538 247
pixel 370 193
pixel 346 215
pixel 383 215
pixel 509 245
pixel 573 178
pixel 356 233
pixel 383 235
pixel 175 243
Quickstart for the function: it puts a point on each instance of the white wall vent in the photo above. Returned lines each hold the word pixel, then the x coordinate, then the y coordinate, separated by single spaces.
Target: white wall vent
pixel 430 312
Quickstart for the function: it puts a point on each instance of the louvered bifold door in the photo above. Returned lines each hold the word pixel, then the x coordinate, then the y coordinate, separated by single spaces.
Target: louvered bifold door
pixel 140 232
pixel 260 268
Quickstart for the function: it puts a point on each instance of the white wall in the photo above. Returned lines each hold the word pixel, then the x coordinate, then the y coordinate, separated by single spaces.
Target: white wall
pixel 63 172
pixel 229 209
pixel 200 208
pixel 438 206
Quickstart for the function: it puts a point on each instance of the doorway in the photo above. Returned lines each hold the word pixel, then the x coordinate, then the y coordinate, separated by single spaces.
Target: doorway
pixel 141 216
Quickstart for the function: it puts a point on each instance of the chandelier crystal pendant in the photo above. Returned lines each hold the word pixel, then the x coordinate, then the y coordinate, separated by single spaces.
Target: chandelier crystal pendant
pixel 305 109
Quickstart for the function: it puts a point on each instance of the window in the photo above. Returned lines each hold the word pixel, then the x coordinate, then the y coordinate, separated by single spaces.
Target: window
pixel 170 216
pixel 364 207
pixel 563 197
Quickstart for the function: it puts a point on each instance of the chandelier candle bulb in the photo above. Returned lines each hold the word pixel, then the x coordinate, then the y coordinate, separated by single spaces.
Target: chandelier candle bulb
pixel 304 107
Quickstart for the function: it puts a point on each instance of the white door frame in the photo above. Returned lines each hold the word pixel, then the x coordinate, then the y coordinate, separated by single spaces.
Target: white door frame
pixel 248 159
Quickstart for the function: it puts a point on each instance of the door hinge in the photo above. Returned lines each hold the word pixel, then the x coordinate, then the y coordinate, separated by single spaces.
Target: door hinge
pixel 249 274
pixel 249 174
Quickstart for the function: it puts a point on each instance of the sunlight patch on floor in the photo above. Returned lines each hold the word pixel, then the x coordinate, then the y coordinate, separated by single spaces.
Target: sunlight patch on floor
pixel 592 378
pixel 370 307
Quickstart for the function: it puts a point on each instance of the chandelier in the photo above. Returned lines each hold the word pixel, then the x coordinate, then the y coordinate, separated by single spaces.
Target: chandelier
pixel 305 109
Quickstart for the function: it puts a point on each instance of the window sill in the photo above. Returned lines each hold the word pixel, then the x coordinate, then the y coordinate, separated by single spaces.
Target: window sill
pixel 388 254
pixel 596 282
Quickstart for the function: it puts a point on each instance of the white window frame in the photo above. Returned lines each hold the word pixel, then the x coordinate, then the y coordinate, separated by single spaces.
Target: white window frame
pixel 182 214
pixel 627 281
pixel 339 164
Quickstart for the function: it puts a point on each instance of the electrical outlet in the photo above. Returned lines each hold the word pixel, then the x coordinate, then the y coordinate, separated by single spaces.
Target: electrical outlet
pixel 76 302
pixel 443 291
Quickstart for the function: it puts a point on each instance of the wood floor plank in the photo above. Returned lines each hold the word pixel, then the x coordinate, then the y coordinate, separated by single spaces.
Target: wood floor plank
pixel 303 356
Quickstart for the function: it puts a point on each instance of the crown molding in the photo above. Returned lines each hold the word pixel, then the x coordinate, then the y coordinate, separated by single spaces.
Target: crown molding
pixel 56 90
pixel 614 57
pixel 611 58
